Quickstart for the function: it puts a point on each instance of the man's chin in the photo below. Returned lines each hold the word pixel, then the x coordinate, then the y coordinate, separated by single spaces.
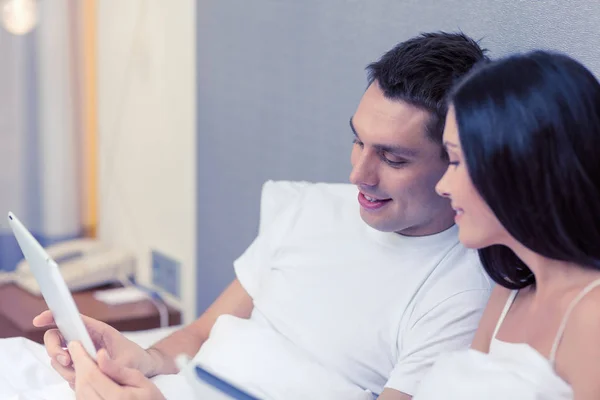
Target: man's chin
pixel 380 224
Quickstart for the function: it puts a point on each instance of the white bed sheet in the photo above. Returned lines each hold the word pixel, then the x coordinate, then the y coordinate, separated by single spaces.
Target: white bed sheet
pixel 151 336
pixel 26 374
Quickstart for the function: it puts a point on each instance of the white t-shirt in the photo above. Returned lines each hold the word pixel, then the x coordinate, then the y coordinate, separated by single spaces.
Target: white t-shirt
pixel 337 302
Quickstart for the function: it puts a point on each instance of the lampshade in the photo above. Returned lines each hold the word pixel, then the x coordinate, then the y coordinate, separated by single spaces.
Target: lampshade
pixel 19 16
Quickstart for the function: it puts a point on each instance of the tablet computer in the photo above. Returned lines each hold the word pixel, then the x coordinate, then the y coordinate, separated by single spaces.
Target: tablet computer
pixel 233 392
pixel 53 287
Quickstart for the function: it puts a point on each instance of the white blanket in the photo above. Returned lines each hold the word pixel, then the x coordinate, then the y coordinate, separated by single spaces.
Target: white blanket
pixel 26 374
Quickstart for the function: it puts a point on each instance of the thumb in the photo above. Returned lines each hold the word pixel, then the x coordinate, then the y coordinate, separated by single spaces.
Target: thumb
pixel 122 375
pixel 80 357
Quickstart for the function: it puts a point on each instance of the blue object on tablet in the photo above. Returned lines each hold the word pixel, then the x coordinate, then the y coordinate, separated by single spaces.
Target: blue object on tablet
pixel 225 387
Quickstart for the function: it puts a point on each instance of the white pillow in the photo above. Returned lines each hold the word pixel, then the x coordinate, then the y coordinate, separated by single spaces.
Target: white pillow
pixel 276 195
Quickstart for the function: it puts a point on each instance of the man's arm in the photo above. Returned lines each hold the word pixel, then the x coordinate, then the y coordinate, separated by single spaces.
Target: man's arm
pixel 445 326
pixel 233 301
pixel 391 394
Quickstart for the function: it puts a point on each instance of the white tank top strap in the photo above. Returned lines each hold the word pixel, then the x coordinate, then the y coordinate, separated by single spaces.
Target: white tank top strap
pixel 563 324
pixel 509 301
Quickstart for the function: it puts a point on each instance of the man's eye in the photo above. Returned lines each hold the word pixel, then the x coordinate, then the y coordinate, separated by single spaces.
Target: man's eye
pixel 357 142
pixel 395 163
pixel 392 160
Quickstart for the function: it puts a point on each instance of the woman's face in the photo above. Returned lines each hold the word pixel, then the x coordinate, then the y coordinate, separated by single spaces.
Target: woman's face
pixel 478 226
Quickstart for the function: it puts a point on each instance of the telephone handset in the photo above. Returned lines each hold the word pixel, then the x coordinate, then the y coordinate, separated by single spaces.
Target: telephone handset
pixel 83 263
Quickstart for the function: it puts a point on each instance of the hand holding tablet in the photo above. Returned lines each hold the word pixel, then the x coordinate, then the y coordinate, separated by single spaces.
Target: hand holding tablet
pixel 53 287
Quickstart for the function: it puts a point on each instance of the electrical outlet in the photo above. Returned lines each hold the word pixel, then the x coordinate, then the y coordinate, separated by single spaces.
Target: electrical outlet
pixel 166 273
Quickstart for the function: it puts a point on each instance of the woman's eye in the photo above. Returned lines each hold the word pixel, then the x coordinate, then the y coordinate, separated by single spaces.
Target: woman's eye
pixel 454 163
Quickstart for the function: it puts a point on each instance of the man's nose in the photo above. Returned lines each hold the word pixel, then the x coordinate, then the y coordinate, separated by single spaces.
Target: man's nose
pixel 364 171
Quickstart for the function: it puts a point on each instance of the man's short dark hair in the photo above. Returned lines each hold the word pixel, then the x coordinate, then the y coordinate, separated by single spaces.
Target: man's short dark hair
pixel 422 70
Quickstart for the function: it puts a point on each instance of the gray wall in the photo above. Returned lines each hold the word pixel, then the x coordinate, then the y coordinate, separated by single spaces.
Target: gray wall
pixel 278 81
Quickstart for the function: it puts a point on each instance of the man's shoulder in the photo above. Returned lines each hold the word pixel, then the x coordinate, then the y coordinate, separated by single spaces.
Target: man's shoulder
pixel 459 273
pixel 463 265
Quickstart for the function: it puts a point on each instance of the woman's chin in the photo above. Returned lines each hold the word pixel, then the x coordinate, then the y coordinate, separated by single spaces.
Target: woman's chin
pixel 471 241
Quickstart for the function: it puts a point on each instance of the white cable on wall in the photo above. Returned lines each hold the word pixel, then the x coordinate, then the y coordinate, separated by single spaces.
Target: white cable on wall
pixel 154 297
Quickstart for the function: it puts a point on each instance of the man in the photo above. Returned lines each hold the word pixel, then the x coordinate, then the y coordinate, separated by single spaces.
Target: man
pixel 352 307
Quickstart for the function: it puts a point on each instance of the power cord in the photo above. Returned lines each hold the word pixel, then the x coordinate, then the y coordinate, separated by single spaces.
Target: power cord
pixel 154 296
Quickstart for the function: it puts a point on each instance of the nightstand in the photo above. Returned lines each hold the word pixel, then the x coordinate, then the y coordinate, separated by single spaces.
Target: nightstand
pixel 18 307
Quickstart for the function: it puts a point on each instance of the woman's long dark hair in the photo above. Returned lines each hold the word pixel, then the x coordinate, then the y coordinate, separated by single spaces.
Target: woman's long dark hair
pixel 529 128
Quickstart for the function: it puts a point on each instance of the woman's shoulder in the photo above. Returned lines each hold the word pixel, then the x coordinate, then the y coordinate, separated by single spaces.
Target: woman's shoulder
pixel 583 321
pixel 578 353
pixel 490 317
pixel 498 300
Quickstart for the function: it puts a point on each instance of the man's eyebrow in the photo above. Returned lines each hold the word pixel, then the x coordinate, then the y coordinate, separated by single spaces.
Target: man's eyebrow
pixel 398 150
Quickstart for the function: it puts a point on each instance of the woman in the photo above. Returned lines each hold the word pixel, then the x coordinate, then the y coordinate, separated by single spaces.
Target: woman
pixel 523 138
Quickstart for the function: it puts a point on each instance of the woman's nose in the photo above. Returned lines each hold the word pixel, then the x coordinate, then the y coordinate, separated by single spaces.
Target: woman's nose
pixel 442 188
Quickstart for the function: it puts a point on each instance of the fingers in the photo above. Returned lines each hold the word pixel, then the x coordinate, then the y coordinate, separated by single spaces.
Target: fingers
pixel 47 319
pixel 87 393
pixel 59 358
pixel 81 359
pixel 67 373
pixel 122 375
pixel 95 328
pixel 89 379
pixel 54 343
pixel 43 319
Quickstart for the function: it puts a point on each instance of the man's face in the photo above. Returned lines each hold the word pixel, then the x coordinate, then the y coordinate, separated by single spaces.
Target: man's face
pixel 396 167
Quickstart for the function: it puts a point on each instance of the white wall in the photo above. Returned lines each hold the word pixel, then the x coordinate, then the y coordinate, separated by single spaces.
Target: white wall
pixel 58 133
pixel 147 136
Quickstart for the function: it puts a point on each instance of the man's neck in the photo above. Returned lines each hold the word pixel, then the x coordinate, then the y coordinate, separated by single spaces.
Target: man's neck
pixel 433 227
